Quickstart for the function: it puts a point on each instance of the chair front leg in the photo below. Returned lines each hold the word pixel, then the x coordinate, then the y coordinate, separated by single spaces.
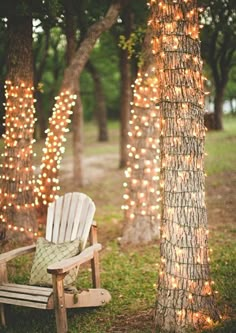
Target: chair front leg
pixel 59 303
pixel 3 279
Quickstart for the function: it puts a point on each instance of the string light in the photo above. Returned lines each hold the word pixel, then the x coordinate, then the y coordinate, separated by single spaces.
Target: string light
pixel 17 176
pixel 184 288
pixel 142 181
pixel 48 181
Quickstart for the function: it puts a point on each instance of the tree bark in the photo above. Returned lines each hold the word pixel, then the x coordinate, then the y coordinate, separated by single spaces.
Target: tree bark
pixel 125 91
pixel 218 108
pixel 38 73
pixel 142 194
pixel 48 179
pixel 77 117
pixel 17 180
pixel 100 104
pixel 185 298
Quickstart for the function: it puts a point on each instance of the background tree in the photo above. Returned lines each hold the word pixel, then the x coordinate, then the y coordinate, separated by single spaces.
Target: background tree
pixel 219 47
pixel 48 180
pixel 142 180
pixel 185 298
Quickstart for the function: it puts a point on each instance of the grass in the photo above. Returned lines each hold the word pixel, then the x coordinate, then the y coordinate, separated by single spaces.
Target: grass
pixel 130 274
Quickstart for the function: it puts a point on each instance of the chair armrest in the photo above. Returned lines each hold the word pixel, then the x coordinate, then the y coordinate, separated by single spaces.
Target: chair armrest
pixel 7 256
pixel 66 265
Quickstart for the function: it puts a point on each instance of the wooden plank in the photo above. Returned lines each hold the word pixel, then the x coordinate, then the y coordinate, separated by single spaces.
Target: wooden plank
pixel 50 219
pixel 95 260
pixel 30 287
pixel 87 298
pixel 2 315
pixel 59 304
pixel 26 290
pixel 71 217
pixel 64 218
pixel 29 297
pixel 3 273
pixel 4 257
pixel 77 219
pixel 23 303
pixel 89 215
pixel 57 219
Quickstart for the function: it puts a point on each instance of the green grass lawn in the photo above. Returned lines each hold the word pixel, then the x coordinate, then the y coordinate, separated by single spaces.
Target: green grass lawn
pixel 130 274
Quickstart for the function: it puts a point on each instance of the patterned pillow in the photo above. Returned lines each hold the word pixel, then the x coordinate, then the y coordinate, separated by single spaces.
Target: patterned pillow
pixel 49 253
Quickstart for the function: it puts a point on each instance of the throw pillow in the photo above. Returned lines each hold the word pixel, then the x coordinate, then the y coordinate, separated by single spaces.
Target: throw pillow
pixel 49 253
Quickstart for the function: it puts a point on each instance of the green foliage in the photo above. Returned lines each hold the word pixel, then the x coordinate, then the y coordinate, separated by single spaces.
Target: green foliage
pixel 218 37
pixel 133 43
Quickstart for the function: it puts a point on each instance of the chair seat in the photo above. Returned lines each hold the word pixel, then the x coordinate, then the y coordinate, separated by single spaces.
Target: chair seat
pixel 42 298
pixel 24 295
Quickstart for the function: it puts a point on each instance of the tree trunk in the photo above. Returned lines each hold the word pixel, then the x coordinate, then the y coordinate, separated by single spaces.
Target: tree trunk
pixel 125 92
pixel 100 103
pixel 125 99
pixel 48 183
pixel 77 117
pixel 142 193
pixel 218 108
pixel 185 297
pixel 17 180
pixel 38 73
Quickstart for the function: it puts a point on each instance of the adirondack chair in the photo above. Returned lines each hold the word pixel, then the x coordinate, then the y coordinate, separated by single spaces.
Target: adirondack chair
pixel 68 218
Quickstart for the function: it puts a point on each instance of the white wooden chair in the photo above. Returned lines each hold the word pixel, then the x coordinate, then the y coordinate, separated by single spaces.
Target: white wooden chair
pixel 68 218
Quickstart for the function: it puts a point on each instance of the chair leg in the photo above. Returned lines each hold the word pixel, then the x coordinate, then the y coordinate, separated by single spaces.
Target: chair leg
pixel 59 303
pixel 2 315
pixel 95 260
pixel 95 271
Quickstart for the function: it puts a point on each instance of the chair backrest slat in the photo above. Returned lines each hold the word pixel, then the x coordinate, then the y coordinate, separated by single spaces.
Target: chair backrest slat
pixel 57 217
pixel 70 217
pixel 64 219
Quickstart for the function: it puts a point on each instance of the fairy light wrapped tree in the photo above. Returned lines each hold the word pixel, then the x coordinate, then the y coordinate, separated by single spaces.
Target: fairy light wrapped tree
pixel 142 192
pixel 185 297
pixel 17 181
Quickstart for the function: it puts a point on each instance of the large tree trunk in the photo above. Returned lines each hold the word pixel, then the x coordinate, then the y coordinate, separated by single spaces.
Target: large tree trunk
pixel 100 103
pixel 17 180
pixel 48 179
pixel 125 92
pixel 185 297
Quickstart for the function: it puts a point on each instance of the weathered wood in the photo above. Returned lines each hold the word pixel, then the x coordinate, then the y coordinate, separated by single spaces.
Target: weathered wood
pixel 3 279
pixel 67 264
pixel 95 259
pixel 59 302
pixel 29 304
pixel 87 298
pixel 4 257
pixel 71 216
pixel 30 288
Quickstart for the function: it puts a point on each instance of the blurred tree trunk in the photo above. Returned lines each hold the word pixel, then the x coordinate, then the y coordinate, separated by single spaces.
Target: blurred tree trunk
pixel 17 179
pixel 38 73
pixel 100 103
pixel 126 91
pixel 218 107
pixel 77 117
pixel 185 299
pixel 48 179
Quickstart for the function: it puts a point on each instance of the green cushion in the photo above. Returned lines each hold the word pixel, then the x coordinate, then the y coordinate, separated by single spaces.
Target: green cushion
pixel 49 253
